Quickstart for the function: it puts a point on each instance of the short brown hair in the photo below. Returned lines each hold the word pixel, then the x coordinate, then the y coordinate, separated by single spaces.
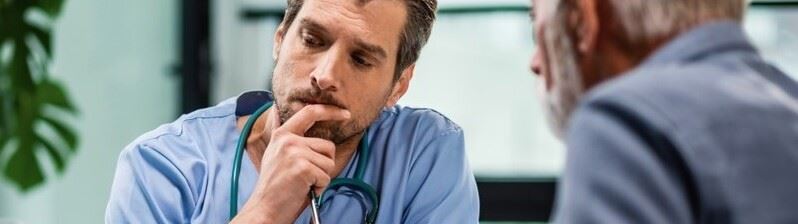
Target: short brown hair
pixel 416 31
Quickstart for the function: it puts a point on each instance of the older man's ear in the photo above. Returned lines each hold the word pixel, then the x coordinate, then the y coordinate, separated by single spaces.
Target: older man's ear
pixel 585 22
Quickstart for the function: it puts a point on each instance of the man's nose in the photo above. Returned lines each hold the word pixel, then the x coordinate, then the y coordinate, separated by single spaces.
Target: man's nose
pixel 327 75
pixel 535 63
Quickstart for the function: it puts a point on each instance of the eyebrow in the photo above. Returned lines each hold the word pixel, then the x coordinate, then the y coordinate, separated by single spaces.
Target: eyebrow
pixel 359 43
pixel 312 25
pixel 371 48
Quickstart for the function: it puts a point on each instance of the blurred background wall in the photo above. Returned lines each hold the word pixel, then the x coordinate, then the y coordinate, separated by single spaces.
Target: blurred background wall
pixel 116 59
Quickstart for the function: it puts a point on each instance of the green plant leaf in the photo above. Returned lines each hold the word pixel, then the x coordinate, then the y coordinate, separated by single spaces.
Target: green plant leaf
pixel 25 96
pixel 51 7
pixel 22 168
pixel 3 142
pixel 67 134
pixel 51 92
pixel 44 38
pixel 3 33
pixel 55 155
pixel 21 77
pixel 4 120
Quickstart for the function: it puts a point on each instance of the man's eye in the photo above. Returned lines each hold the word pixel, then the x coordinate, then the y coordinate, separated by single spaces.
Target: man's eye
pixel 360 61
pixel 311 41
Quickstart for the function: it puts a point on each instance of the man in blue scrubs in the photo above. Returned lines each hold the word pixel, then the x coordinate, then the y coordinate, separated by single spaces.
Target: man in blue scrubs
pixel 669 113
pixel 341 66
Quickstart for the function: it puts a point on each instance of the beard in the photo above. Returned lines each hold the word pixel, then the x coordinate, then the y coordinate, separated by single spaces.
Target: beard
pixel 338 132
pixel 563 67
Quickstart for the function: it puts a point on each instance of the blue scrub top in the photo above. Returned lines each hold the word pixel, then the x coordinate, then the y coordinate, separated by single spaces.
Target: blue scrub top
pixel 180 172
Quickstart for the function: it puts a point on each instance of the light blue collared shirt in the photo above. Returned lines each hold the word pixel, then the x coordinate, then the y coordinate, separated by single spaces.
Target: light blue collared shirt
pixel 180 172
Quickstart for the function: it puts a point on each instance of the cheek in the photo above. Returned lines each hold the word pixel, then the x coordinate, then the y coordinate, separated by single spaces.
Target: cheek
pixel 293 62
pixel 277 78
pixel 285 80
pixel 370 109
pixel 291 71
pixel 542 65
pixel 547 75
pixel 371 98
pixel 545 60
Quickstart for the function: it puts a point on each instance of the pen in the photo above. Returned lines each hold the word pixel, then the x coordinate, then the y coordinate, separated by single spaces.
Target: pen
pixel 314 207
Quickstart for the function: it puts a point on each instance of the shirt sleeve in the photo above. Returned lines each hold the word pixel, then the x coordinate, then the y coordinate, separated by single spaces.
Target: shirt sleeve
pixel 148 188
pixel 620 169
pixel 447 190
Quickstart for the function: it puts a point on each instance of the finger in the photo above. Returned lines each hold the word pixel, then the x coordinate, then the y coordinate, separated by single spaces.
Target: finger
pixel 321 146
pixel 318 160
pixel 321 180
pixel 274 122
pixel 313 175
pixel 310 114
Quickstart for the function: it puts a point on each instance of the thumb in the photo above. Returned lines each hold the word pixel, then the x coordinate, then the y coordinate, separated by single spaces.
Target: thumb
pixel 274 117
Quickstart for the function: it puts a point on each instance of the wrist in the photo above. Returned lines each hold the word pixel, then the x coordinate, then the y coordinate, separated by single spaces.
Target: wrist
pixel 253 216
pixel 255 212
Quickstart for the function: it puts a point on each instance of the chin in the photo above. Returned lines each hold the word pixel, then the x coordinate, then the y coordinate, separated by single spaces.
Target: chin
pixel 558 107
pixel 329 131
pixel 555 120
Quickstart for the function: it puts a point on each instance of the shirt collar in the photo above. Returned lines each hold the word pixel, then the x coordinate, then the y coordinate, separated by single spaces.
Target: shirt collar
pixel 248 102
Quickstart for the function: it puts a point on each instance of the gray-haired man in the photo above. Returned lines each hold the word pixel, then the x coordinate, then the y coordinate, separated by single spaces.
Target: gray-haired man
pixel 668 112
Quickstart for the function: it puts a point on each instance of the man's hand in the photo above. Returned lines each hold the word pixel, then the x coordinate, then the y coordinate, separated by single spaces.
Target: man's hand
pixel 290 166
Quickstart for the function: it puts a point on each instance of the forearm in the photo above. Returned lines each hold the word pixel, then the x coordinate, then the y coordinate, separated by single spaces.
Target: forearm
pixel 254 211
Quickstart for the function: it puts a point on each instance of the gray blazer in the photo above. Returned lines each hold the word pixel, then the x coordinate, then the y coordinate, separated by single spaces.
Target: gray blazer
pixel 703 131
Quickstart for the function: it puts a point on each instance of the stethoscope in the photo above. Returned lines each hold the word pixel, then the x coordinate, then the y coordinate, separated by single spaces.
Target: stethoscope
pixel 355 183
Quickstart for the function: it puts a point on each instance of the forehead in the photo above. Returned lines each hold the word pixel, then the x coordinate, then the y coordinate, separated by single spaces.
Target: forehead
pixel 377 22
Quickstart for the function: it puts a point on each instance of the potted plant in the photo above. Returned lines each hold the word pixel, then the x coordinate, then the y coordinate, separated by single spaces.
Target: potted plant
pixel 31 101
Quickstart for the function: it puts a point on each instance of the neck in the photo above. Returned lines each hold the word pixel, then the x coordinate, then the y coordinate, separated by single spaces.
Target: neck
pixel 612 62
pixel 259 138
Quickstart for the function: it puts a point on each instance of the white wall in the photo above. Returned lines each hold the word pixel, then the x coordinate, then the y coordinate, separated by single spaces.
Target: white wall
pixel 242 50
pixel 115 57
pixel 475 71
pixel 774 32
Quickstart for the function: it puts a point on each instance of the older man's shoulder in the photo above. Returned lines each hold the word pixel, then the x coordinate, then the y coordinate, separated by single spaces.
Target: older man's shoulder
pixel 690 92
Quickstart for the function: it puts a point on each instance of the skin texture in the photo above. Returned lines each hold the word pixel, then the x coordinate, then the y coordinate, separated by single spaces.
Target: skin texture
pixel 334 73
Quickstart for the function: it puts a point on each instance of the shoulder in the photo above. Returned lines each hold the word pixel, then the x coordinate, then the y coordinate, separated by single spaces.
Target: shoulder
pixel 181 139
pixel 413 122
pixel 658 82
pixel 418 134
pixel 672 95
pixel 167 169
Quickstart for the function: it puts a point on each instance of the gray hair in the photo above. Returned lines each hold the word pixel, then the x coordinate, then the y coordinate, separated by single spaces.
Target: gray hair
pixel 641 22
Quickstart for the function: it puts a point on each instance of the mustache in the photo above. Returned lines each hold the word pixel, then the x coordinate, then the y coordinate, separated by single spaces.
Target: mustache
pixel 314 96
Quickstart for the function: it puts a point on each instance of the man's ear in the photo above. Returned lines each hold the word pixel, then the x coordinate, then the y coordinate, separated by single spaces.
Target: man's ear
pixel 585 21
pixel 400 86
pixel 278 40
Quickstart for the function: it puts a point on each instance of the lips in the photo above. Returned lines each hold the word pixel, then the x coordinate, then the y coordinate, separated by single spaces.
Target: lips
pixel 310 101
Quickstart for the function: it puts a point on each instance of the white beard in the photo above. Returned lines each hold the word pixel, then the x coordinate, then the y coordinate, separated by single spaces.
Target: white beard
pixel 567 85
